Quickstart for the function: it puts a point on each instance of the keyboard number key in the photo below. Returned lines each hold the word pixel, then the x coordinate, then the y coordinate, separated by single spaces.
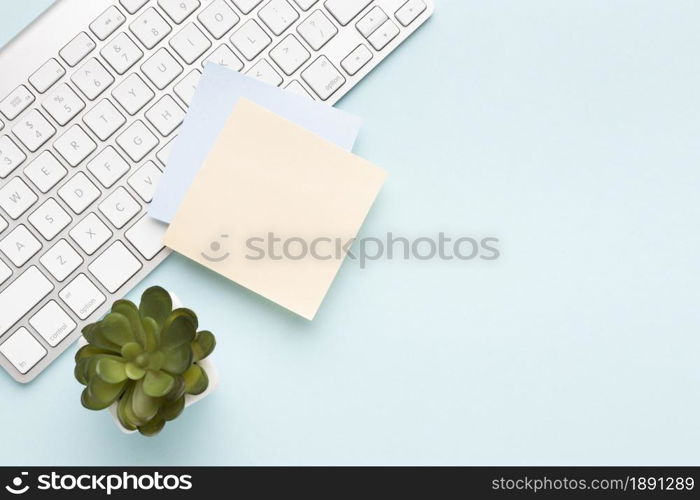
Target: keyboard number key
pixel 121 53
pixel 179 10
pixel 17 101
pixel 63 105
pixel 61 260
pixel 11 156
pixel 323 78
pixel 82 296
pixel 150 28
pixel 52 323
pixel 92 79
pixel 33 130
pixel 23 350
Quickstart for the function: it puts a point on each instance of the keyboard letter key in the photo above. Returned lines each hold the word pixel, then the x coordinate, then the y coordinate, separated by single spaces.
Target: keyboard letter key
pixel 16 197
pixel 61 260
pixel 79 192
pixel 137 141
pixel 90 234
pixel 45 171
pixel 20 246
pixel 75 145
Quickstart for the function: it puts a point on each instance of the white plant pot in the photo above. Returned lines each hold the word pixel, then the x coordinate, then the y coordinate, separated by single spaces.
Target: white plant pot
pixel 206 364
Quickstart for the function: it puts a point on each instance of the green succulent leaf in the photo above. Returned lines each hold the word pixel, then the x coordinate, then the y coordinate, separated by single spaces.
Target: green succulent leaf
pixel 152 427
pixel 178 360
pixel 152 331
pixel 131 312
pixel 157 304
pixel 111 371
pixel 196 380
pixel 99 394
pixel 117 329
pixel 203 345
pixel 95 336
pixel 177 391
pixel 178 330
pixel 126 418
pixel 171 410
pixel 88 351
pixel 134 371
pixel 131 351
pixel 157 384
pixel 144 406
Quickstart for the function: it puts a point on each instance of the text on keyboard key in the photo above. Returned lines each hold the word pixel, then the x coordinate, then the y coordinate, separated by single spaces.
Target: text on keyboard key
pixel 115 266
pixel 17 101
pixel 145 180
pixel 16 197
pixel 250 39
pixel 356 60
pixel 107 23
pixel 45 171
pixel 119 207
pixel 137 141
pixel 147 236
pixel 21 296
pixel 74 145
pixel 133 94
pixel 190 43
pixel 48 74
pixel 161 68
pixel 52 323
pixel 323 78
pixel 20 245
pixel 11 156
pixel 165 115
pixel 61 260
pixel 77 49
pixel 290 54
pixel 108 166
pixel 317 30
pixel 104 119
pixel 63 105
pixel 218 18
pixel 223 56
pixel 150 28
pixel 79 192
pixel 22 350
pixel 49 219
pixel 82 296
pixel 92 79
pixel 345 11
pixel 410 11
pixel 264 71
pixel 33 130
pixel 90 234
pixel 179 10
pixel 121 53
pixel 278 15
pixel 371 21
pixel 384 35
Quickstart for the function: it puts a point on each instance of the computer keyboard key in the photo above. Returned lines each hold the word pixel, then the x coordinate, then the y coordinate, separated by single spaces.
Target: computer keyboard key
pixel 133 6
pixel 264 71
pixel 297 88
pixel 305 4
pixel 278 15
pixel 121 53
pixel 223 56
pixel 82 296
pixel 61 260
pixel 190 43
pixel 16 197
pixel 52 323
pixel 290 54
pixel 119 207
pixel 218 18
pixel 133 94
pixel 371 21
pixel 164 153
pixel 90 234
pixel 20 245
pixel 250 39
pixel 161 68
pixel 137 141
pixel 384 35
pixel 186 87
pixel 115 266
pixel 74 145
pixel 45 171
pixel 356 60
pixel 63 105
pixel 147 236
pixel 165 115
pixel 150 28
pixel 3 224
pixel 108 166
pixel 79 193
pixel 23 350
pixel 179 10
pixel 145 180
pixel 104 119
pixel 92 79
pixel 33 130
pixel 345 11
pixel 76 50
pixel 246 5
pixel 323 78
pixel 20 296
pixel 317 30
pixel 5 272
pixel 11 156
pixel 17 101
pixel 410 11
pixel 107 23
pixel 49 219
pixel 48 74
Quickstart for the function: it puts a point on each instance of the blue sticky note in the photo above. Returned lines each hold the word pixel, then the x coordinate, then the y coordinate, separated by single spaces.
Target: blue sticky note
pixel 217 93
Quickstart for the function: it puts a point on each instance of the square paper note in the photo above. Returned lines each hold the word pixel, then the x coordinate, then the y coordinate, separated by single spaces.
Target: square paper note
pixel 273 208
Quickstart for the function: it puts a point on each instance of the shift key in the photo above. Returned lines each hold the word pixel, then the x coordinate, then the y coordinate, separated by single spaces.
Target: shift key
pixel 21 296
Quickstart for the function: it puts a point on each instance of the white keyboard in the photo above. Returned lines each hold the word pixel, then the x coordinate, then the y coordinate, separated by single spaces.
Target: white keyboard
pixel 87 115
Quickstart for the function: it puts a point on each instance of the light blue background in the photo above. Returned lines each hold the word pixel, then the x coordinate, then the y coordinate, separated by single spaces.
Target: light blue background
pixel 570 130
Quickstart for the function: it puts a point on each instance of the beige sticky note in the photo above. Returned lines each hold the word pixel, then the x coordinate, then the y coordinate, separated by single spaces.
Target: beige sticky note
pixel 273 208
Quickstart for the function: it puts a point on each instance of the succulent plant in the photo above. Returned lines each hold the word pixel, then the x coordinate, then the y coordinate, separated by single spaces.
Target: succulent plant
pixel 145 358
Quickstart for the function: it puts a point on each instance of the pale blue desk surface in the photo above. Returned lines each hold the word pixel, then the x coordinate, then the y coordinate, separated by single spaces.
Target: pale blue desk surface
pixel 567 129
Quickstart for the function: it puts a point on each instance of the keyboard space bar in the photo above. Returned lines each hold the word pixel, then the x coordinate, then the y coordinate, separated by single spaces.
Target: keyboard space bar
pixel 21 295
